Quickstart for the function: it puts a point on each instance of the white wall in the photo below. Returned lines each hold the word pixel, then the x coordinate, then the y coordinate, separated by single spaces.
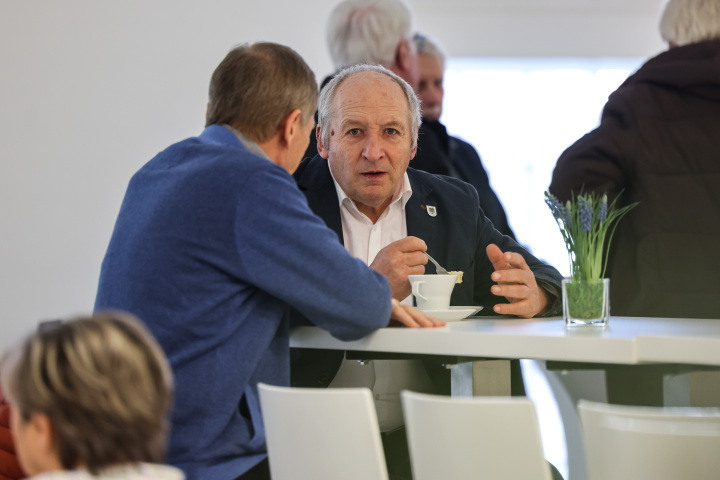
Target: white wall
pixel 90 90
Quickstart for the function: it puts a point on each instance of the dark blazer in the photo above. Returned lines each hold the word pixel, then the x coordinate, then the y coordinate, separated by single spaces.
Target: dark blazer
pixel 456 237
pixel 444 154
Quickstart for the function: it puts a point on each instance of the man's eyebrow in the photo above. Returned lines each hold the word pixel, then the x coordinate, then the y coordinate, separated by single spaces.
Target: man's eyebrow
pixel 394 124
pixel 349 122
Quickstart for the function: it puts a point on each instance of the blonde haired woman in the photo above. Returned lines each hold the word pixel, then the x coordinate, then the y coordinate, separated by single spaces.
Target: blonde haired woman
pixel 89 401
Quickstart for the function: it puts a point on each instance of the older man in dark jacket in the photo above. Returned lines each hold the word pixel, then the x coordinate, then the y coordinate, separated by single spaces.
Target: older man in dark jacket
pixel 659 144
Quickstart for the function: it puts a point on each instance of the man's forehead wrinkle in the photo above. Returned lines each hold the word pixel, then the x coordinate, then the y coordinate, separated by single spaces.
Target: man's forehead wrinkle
pixel 363 106
pixel 382 118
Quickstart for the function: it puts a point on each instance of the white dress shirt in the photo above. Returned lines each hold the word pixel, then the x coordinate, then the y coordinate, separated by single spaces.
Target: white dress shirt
pixel 386 378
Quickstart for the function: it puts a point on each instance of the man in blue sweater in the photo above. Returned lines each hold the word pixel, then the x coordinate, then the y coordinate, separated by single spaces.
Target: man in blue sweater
pixel 213 245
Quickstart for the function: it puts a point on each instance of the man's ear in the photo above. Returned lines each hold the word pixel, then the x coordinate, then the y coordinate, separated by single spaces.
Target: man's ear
pixel 414 150
pixel 290 127
pixel 43 432
pixel 402 55
pixel 322 149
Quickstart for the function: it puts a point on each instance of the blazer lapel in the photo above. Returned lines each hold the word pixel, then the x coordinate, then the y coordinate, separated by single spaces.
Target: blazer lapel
pixel 421 222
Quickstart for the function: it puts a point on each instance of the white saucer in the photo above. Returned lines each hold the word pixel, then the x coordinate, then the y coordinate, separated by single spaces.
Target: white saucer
pixel 454 313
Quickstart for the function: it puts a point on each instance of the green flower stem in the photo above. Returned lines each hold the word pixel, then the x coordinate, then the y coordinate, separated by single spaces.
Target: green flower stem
pixel 587 223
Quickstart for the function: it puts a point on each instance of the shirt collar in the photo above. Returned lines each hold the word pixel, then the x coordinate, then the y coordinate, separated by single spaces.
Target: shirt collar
pixel 403 193
pixel 249 145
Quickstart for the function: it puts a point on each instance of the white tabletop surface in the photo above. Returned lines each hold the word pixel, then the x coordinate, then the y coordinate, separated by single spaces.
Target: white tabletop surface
pixel 692 341
pixel 626 340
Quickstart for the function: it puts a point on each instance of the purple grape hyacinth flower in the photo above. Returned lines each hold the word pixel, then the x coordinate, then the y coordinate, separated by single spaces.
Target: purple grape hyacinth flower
pixel 586 214
pixel 602 212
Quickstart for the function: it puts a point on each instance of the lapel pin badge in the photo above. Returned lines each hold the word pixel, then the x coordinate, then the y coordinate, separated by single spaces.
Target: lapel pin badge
pixel 432 211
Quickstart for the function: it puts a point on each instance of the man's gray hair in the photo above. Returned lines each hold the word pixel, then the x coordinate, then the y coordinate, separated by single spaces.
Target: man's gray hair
pixel 690 21
pixel 427 45
pixel 326 103
pixel 367 31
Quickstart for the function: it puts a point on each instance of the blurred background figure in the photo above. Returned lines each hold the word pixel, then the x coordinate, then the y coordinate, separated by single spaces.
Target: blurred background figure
pixel 89 400
pixel 658 144
pixel 9 466
pixel 458 157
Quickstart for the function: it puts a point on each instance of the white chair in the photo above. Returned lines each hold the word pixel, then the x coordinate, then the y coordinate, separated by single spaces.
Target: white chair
pixel 493 438
pixel 658 443
pixel 321 433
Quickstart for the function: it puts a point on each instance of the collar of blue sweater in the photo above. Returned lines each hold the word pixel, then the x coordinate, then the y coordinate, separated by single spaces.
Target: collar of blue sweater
pixel 251 146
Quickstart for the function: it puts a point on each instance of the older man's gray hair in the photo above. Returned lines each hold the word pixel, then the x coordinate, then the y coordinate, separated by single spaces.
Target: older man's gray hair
pixel 427 45
pixel 690 21
pixel 367 31
pixel 326 103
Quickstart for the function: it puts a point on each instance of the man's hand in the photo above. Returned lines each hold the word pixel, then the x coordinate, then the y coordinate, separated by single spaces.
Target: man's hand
pixel 516 282
pixel 398 260
pixel 413 317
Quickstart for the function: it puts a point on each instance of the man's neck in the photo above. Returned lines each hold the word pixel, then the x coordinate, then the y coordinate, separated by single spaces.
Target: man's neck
pixel 373 213
pixel 251 145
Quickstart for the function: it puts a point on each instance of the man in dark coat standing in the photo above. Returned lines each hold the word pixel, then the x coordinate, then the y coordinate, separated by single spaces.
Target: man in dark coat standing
pixel 658 144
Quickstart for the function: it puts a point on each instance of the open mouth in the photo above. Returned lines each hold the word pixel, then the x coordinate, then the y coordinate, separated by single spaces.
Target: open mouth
pixel 373 174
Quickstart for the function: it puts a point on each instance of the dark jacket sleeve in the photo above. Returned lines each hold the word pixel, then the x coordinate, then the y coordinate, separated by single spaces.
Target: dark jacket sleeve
pixel 547 277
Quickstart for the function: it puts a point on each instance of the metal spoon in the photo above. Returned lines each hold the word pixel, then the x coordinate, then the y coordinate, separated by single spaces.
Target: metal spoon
pixel 438 269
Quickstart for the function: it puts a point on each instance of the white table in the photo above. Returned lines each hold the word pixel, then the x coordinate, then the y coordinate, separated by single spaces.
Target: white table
pixel 680 341
pixel 625 341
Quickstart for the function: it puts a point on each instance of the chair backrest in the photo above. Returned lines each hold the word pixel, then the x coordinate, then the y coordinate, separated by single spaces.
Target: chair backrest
pixel 476 438
pixel 658 443
pixel 322 433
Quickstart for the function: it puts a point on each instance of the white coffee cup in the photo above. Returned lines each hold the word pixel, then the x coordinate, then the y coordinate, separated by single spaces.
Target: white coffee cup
pixel 432 292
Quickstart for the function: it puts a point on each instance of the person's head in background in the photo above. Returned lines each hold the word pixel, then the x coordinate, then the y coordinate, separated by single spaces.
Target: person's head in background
pixel 431 58
pixel 684 22
pixel 267 92
pixel 90 393
pixel 368 120
pixel 374 31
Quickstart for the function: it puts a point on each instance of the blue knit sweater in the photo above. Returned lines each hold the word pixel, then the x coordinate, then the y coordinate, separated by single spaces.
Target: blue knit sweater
pixel 211 247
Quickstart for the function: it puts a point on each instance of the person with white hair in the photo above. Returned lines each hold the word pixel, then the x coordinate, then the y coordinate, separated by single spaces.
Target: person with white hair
pixel 658 144
pixel 374 31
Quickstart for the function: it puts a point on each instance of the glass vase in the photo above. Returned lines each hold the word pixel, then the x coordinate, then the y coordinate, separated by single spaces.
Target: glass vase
pixel 586 302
